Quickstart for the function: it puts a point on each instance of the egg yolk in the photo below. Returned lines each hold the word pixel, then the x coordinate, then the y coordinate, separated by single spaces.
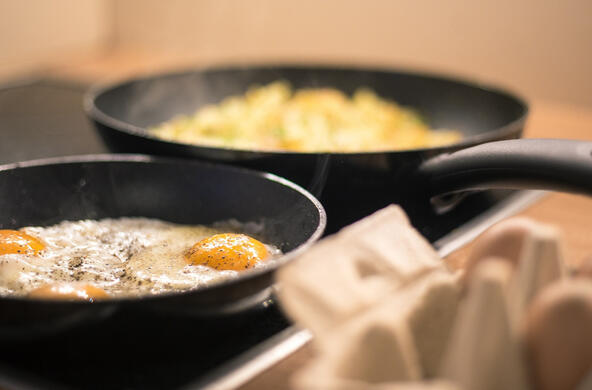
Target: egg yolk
pixel 14 241
pixel 227 251
pixel 84 292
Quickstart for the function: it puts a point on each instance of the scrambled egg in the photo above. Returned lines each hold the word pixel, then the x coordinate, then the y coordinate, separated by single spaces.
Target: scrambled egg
pixel 274 117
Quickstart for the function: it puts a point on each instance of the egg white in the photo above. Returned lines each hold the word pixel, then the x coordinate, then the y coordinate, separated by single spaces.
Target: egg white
pixel 126 257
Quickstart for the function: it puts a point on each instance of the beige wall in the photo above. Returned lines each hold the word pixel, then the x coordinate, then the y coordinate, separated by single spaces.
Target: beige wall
pixel 542 48
pixel 35 33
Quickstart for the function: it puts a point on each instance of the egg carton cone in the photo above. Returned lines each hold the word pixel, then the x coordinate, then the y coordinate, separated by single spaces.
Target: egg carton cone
pixel 390 238
pixel 532 248
pixel 483 351
pixel 541 263
pixel 558 336
pixel 429 308
pixel 374 349
pixel 346 273
pixel 401 338
pixel 422 313
pixel 505 240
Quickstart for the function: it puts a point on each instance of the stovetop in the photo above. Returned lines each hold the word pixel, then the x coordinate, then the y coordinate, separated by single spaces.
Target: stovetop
pixel 138 350
pixel 44 118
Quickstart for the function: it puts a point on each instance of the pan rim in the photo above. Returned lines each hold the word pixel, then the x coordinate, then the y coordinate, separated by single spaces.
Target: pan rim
pixel 144 158
pixel 96 90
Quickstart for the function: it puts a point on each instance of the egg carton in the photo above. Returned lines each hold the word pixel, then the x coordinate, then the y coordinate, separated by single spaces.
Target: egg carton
pixel 386 312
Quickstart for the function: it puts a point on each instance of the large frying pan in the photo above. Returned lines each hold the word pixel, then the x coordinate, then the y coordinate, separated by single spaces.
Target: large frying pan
pixel 45 192
pixel 352 185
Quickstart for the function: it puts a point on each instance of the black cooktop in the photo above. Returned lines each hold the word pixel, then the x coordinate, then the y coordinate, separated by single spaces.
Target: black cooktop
pixel 44 118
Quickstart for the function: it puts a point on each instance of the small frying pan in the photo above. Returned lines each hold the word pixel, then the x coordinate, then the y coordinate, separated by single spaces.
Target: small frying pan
pixel 45 192
pixel 352 185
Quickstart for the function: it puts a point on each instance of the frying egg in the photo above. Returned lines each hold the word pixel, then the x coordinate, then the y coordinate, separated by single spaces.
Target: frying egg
pixel 14 241
pixel 228 252
pixel 75 291
pixel 124 257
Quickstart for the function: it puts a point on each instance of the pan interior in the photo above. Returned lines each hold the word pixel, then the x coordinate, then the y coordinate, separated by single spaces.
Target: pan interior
pixel 179 192
pixel 444 103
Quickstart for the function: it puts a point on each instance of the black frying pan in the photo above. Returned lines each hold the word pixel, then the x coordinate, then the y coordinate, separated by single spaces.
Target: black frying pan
pixel 45 192
pixel 352 185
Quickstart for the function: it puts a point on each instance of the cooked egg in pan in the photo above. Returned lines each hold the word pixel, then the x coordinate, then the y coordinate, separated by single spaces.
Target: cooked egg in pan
pixel 123 257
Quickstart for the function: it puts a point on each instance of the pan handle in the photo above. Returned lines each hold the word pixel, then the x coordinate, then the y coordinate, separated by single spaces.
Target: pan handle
pixel 551 164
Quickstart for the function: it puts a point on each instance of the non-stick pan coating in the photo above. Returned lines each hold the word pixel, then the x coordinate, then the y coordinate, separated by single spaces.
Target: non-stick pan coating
pixel 187 192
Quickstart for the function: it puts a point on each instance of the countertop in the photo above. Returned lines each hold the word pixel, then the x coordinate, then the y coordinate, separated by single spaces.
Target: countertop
pixel 572 214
